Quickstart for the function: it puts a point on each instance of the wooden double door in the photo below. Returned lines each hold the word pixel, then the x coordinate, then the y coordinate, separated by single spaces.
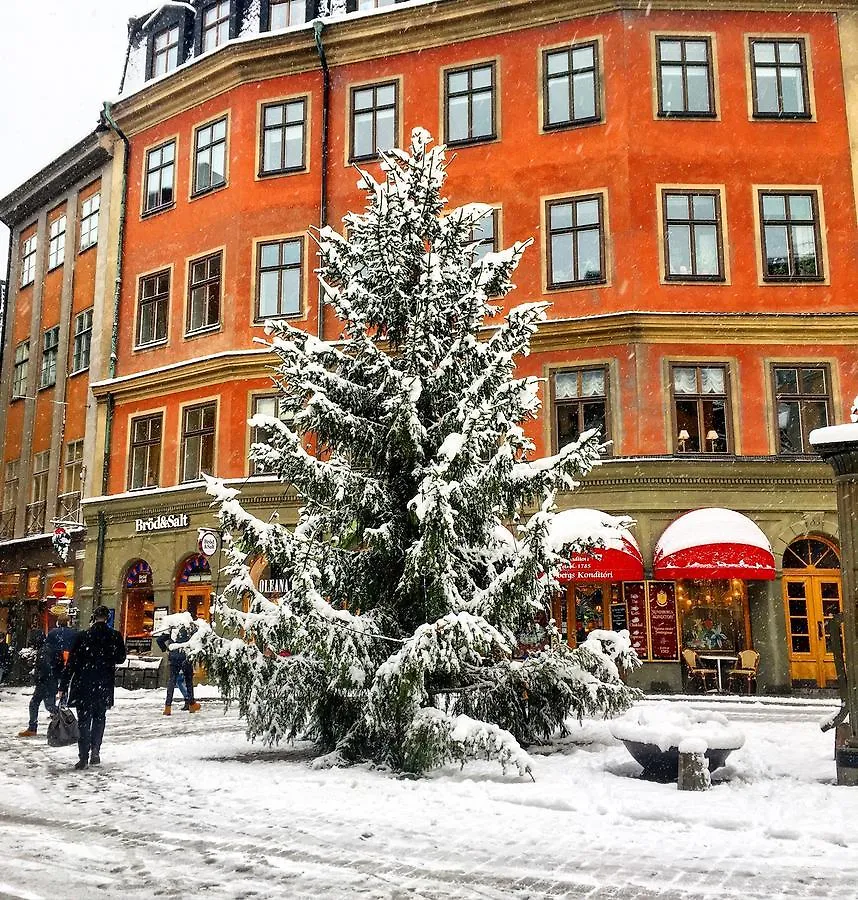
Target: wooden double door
pixel 812 591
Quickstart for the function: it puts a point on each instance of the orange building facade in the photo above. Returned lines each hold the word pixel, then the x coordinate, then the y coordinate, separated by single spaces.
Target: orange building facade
pixel 687 178
pixel 53 338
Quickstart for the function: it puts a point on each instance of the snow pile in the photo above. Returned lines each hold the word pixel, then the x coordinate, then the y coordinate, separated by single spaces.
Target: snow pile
pixel 582 529
pixel 667 725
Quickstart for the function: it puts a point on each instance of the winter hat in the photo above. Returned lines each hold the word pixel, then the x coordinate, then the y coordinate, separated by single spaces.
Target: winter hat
pixel 100 614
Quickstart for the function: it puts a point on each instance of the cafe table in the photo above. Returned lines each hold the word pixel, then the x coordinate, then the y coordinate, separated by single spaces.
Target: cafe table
pixel 718 659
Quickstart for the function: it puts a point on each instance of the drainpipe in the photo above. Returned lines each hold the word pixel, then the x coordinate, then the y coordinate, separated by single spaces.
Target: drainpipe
pixel 98 580
pixel 318 25
pixel 107 115
pixel 5 310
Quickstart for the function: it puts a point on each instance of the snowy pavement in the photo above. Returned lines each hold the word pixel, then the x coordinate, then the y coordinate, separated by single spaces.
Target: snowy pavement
pixel 185 807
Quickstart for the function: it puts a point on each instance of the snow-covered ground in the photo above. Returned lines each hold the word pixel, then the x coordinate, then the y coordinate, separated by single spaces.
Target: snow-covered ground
pixel 185 807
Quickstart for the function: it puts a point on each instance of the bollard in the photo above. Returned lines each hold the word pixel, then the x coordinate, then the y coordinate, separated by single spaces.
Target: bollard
pixel 693 766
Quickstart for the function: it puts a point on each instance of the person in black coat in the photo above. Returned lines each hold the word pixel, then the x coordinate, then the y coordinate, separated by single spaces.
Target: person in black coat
pixel 88 680
pixel 45 688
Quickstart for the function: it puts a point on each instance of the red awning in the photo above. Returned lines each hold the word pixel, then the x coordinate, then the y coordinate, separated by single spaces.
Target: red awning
pixel 713 543
pixel 622 563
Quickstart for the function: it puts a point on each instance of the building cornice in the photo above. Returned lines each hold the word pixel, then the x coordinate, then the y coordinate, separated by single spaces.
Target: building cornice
pixel 409 28
pixel 85 157
pixel 623 328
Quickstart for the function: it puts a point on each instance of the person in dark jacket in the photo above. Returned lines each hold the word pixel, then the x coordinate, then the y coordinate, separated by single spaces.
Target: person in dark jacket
pixel 180 666
pixel 60 640
pixel 45 688
pixel 88 680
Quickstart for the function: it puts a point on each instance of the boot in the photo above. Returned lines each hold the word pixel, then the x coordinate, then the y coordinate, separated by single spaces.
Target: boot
pixel 80 764
pixel 168 710
pixel 94 759
pixel 27 732
pixel 186 706
pixel 193 707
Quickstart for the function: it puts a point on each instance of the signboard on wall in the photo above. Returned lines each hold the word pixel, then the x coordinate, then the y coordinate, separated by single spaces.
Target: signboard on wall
pixel 635 596
pixel 158 616
pixel 662 620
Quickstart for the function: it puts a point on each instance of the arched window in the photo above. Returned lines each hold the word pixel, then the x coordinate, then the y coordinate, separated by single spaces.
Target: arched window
pixel 811 553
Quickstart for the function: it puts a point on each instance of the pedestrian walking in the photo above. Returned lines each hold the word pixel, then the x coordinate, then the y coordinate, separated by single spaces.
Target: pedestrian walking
pixel 60 640
pixel 45 688
pixel 5 657
pixel 180 666
pixel 88 678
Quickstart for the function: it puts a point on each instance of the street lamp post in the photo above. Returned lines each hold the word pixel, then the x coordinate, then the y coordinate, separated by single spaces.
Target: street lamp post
pixel 838 446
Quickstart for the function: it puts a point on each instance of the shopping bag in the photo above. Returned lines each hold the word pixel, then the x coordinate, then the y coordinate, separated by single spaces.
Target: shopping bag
pixel 62 729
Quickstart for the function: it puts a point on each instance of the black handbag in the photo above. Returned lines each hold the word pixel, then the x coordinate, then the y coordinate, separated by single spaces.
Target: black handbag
pixel 62 729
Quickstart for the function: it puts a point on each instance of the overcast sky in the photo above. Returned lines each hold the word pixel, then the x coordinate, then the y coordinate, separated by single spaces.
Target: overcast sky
pixel 59 59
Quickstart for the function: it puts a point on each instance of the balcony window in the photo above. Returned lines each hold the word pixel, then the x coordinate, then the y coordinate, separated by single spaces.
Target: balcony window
pixel 39 493
pixel 73 469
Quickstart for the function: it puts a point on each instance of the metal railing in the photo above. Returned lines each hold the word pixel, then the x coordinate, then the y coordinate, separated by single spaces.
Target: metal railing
pixel 7 524
pixel 36 517
pixel 69 507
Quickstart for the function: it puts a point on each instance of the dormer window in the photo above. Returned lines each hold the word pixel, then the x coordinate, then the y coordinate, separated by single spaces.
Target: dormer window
pixel 165 55
pixel 285 13
pixel 215 25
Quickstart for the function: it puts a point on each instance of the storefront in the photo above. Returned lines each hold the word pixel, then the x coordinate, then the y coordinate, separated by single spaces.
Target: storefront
pixel 592 598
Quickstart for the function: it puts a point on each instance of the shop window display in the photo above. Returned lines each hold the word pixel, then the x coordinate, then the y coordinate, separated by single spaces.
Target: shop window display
pixel 714 615
pixel 138 601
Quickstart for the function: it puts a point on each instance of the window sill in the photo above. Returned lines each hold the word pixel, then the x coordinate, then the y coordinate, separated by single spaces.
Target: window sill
pixel 196 195
pixel 687 116
pixel 151 345
pixel 201 332
pixel 577 285
pixel 374 157
pixel 55 266
pixel 695 279
pixel 78 372
pixel 27 284
pixel 46 387
pixel 473 142
pixel 156 210
pixel 83 250
pixel 795 279
pixel 278 173
pixel 261 320
pixel 782 117
pixel 548 128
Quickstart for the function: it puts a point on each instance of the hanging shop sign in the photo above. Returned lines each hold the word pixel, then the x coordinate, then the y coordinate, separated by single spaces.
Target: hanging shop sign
pixel 161 523
pixel 208 542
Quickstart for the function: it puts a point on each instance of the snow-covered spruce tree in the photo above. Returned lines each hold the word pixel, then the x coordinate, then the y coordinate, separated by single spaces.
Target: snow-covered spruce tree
pixel 404 440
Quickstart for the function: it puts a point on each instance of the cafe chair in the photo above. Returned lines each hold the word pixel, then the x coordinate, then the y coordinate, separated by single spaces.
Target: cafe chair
pixel 696 673
pixel 745 670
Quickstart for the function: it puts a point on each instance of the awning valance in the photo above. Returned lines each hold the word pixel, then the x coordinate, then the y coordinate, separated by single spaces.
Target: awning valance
pixel 619 560
pixel 713 543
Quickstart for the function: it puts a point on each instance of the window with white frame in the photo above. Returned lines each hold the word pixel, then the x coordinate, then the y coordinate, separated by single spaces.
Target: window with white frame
pixel 278 289
pixel 57 243
pixel 215 29
pixel 160 177
pixel 82 340
pixel 28 260
pixel 89 210
pixel 165 51
pixel 285 13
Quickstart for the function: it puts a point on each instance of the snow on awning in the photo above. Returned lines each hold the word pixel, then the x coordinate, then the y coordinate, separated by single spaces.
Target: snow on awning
pixel 713 543
pixel 619 560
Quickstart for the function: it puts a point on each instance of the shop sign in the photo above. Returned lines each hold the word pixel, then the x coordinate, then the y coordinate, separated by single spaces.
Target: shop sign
pixel 603 564
pixel 161 523
pixel 138 644
pixel 208 542
pixel 34 580
pixel 273 587
pixel 662 620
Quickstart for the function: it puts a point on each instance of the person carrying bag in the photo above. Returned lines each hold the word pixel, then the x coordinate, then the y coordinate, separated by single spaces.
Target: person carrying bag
pixel 62 729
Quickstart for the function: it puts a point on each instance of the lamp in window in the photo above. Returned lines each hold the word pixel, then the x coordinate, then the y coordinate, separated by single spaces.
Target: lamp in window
pixel 712 437
pixel 682 437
